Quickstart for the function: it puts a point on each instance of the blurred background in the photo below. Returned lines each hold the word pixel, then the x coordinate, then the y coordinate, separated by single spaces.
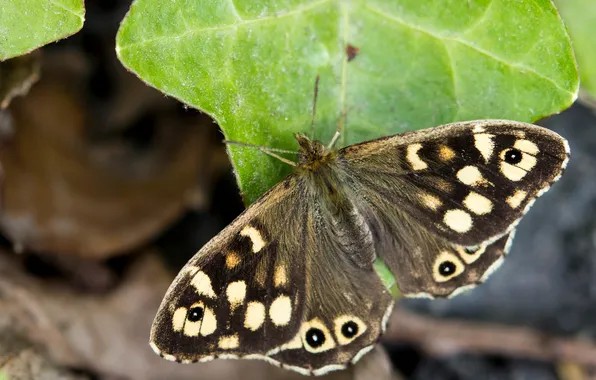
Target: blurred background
pixel 109 187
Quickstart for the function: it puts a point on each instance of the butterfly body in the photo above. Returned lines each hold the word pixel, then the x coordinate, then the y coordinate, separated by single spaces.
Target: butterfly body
pixel 292 279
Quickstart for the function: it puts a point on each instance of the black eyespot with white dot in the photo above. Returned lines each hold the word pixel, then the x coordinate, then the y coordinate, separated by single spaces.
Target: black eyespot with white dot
pixel 512 156
pixel 315 337
pixel 447 268
pixel 195 314
pixel 349 329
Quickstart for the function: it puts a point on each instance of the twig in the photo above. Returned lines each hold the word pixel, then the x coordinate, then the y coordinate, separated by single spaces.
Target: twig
pixel 442 338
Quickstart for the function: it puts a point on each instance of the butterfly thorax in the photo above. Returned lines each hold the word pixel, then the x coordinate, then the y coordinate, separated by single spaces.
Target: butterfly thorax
pixel 313 154
pixel 316 167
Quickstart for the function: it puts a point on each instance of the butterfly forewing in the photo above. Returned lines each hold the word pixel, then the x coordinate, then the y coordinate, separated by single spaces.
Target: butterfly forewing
pixel 467 182
pixel 240 283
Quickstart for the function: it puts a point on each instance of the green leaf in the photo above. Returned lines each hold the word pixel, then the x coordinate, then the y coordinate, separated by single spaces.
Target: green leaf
pixel 26 25
pixel 580 19
pixel 387 277
pixel 251 65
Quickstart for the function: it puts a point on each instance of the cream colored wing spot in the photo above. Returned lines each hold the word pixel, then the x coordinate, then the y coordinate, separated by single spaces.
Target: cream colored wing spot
pixel 516 199
pixel 446 267
pixel 458 220
pixel 446 153
pixel 255 237
pixel 316 337
pixel 478 128
pixel 205 323
pixel 485 145
pixel 280 311
pixel 178 319
pixel 478 204
pixel 471 176
pixel 430 201
pixel 527 146
pixel 228 342
pixel 280 277
pixel 512 172
pixel 255 316
pixel 413 158
pixel 470 254
pixel 520 134
pixel 528 162
pixel 202 284
pixel 348 328
pixel 232 260
pixel 209 324
pixel 236 292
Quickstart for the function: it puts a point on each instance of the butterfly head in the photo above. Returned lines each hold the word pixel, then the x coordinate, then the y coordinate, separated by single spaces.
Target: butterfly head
pixel 312 152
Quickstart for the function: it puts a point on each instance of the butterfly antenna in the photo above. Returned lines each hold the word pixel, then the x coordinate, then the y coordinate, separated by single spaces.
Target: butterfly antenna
pixel 266 150
pixel 314 107
pixel 344 115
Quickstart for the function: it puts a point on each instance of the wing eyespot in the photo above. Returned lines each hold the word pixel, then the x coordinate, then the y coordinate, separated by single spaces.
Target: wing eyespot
pixel 199 319
pixel 446 267
pixel 515 163
pixel 195 314
pixel 316 337
pixel 512 156
pixel 348 328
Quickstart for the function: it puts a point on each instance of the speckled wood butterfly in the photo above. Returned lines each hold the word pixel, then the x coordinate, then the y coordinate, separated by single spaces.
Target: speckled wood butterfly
pixel 291 280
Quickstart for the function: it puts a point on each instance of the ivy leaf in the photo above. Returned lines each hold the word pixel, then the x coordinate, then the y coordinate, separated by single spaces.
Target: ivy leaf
pixel 388 66
pixel 580 18
pixel 26 25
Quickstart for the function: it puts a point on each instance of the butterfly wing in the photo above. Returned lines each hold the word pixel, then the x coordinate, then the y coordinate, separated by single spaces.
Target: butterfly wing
pixel 467 182
pixel 274 285
pixel 443 201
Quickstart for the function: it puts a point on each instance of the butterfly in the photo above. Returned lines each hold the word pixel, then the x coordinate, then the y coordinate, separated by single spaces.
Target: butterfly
pixel 292 280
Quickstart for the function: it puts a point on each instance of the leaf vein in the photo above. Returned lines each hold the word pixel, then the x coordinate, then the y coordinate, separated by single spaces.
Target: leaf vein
pixel 224 28
pixel 469 45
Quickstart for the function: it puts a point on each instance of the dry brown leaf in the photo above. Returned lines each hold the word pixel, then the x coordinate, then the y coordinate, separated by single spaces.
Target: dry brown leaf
pixel 20 360
pixel 66 192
